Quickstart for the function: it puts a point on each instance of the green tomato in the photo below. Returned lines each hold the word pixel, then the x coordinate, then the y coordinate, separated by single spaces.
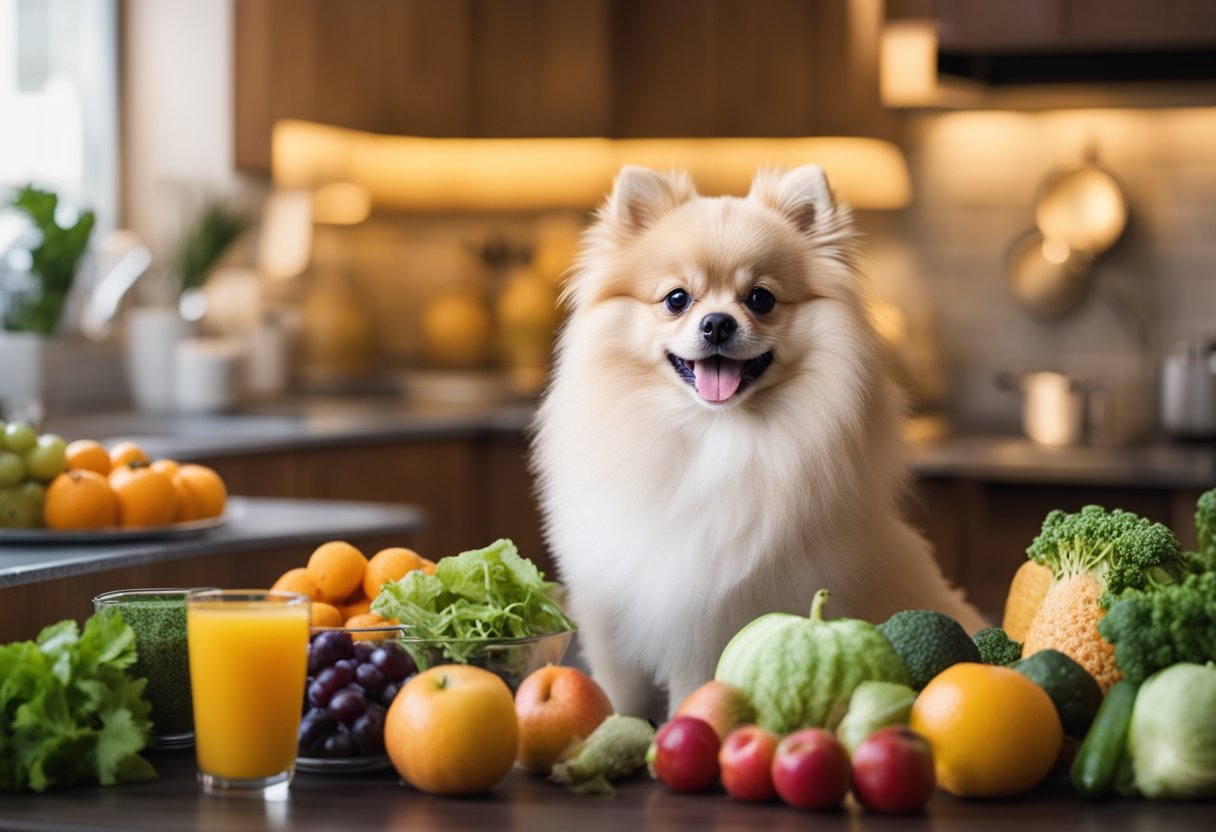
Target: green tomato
pixel 12 468
pixel 48 457
pixel 18 509
pixel 19 437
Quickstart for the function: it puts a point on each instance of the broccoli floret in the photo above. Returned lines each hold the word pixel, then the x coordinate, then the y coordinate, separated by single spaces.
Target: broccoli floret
pixel 1121 550
pixel 996 647
pixel 1199 562
pixel 1205 525
pixel 928 642
pixel 1153 630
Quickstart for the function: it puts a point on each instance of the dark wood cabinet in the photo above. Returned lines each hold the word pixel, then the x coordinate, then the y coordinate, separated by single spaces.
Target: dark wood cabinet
pixel 522 68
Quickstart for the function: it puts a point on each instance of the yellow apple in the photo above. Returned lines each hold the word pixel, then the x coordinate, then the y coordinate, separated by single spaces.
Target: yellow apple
pixel 452 730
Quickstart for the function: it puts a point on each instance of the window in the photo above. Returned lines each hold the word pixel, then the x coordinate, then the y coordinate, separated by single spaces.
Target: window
pixel 58 100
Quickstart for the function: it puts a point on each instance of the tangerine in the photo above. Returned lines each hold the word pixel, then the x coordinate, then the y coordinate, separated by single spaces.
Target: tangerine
pixel 994 733
pixel 389 565
pixel 145 497
pixel 80 499
pixel 324 615
pixel 167 467
pixel 296 580
pixel 367 621
pixel 124 453
pixel 88 455
pixel 336 570
pixel 201 493
pixel 357 604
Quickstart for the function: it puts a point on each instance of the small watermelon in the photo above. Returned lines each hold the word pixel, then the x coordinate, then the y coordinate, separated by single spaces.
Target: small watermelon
pixel 801 672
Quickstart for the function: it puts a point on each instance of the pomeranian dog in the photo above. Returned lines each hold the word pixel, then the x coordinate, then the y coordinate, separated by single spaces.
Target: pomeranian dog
pixel 720 437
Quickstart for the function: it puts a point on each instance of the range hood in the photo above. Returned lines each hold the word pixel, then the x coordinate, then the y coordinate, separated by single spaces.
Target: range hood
pixel 1077 67
pixel 964 52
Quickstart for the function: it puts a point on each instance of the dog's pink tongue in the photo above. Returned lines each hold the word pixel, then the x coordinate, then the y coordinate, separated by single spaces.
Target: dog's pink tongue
pixel 717 378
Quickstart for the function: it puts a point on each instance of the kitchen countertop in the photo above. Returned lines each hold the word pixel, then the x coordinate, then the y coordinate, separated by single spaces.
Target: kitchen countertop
pixel 328 422
pixel 376 800
pixel 253 524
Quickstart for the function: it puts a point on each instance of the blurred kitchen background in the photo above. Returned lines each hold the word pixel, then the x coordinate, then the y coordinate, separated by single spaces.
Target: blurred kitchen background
pixel 318 243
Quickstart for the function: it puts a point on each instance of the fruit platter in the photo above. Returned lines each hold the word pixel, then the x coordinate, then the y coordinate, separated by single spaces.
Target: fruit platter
pixel 82 492
pixel 1091 702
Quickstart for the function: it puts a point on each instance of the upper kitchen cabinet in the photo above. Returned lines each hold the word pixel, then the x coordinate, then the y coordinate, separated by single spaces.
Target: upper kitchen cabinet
pixel 420 67
pixel 521 68
pixel 759 68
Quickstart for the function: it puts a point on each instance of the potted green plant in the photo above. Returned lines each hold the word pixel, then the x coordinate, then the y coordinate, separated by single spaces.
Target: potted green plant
pixel 36 279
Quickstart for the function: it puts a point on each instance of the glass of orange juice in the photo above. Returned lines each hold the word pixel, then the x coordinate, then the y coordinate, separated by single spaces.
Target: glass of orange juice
pixel 248 661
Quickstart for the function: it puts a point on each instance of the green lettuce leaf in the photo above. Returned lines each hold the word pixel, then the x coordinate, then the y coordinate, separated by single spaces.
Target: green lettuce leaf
pixel 481 594
pixel 69 710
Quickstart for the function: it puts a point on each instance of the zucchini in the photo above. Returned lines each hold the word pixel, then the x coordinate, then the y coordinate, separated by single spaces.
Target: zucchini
pixel 1095 771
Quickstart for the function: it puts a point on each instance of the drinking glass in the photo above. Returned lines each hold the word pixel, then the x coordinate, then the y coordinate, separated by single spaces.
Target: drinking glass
pixel 158 618
pixel 248 662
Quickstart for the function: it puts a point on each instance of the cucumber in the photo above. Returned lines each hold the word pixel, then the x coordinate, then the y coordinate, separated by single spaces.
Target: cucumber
pixel 1095 771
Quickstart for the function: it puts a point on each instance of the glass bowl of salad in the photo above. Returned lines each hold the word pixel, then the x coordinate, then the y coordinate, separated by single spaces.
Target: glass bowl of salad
pixel 491 608
pixel 511 659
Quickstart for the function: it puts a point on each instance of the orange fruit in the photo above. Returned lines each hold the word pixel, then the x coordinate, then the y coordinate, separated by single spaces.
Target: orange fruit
pixel 336 570
pixel 201 493
pixel 452 730
pixel 369 619
pixel 429 567
pixel 994 732
pixel 296 580
pixel 168 467
pixel 80 499
pixel 145 497
pixel 87 455
pixel 389 565
pixel 324 615
pixel 124 453
pixel 357 604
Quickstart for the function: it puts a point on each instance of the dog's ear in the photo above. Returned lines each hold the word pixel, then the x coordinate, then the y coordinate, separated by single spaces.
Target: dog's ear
pixel 640 196
pixel 802 195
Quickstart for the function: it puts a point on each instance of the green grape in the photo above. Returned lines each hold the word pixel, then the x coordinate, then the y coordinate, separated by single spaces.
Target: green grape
pixel 18 509
pixel 12 468
pixel 48 457
pixel 19 437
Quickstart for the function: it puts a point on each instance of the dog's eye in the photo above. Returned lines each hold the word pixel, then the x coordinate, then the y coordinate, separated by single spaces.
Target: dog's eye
pixel 677 301
pixel 761 301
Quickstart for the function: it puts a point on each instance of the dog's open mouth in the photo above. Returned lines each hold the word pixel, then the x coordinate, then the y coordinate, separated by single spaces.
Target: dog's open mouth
pixel 717 378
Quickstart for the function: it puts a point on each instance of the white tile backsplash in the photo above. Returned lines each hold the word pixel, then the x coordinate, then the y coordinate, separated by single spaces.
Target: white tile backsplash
pixel 975 176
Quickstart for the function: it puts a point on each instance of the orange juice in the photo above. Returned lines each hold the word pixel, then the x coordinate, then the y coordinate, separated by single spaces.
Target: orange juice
pixel 248 662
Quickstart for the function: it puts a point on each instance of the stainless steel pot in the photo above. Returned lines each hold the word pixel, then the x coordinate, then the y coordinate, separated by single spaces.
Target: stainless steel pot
pixel 1188 390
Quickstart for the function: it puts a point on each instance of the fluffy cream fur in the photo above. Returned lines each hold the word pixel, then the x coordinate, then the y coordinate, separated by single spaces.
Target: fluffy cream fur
pixel 675 521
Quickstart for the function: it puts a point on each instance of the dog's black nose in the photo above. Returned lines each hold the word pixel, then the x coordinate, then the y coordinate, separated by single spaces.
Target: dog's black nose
pixel 717 327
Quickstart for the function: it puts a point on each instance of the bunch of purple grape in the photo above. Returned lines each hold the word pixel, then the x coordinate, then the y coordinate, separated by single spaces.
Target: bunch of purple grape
pixel 350 686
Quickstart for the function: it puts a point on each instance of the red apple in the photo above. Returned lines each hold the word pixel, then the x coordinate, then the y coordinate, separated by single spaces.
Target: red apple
pixel 893 771
pixel 721 704
pixel 746 760
pixel 684 756
pixel 556 707
pixel 811 769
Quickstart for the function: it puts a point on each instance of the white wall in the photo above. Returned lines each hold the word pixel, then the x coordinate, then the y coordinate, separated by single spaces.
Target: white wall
pixel 176 101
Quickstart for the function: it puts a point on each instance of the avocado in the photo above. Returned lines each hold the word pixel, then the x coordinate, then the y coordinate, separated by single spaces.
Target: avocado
pixel 1073 691
pixel 928 642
